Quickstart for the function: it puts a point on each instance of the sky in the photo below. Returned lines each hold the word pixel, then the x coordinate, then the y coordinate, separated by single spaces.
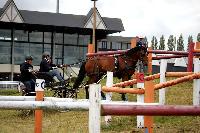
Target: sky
pixel 140 17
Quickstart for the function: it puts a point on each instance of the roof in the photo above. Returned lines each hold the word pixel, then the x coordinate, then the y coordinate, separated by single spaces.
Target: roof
pixel 64 20
pixel 54 19
pixel 118 39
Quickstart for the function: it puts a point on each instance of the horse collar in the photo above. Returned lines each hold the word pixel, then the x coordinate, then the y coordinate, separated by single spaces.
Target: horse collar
pixel 116 62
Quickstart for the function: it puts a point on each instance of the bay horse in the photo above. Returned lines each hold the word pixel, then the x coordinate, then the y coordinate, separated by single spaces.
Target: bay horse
pixel 122 65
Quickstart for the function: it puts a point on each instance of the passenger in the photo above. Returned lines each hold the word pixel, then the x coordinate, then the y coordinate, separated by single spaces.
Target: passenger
pixel 27 77
pixel 47 66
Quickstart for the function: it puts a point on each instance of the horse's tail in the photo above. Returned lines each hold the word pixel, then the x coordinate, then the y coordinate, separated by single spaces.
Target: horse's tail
pixel 80 77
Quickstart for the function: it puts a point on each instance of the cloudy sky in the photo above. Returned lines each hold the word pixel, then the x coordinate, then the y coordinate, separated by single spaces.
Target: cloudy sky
pixel 140 17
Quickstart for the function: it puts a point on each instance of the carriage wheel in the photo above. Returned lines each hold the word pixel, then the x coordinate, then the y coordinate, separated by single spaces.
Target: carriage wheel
pixel 57 93
pixel 70 93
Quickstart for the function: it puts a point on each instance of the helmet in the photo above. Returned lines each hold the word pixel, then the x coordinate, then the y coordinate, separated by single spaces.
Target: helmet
pixel 139 44
pixel 29 57
pixel 45 54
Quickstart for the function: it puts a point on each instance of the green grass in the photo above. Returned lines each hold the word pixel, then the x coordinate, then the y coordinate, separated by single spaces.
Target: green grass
pixel 77 121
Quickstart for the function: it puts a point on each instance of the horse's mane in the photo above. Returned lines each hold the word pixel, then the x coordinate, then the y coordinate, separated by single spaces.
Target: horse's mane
pixel 132 51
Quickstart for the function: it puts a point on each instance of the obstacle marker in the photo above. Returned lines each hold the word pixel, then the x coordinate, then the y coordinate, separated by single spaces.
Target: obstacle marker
pixel 39 88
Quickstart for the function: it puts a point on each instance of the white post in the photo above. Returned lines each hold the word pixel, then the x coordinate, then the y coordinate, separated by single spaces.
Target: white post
pixel 163 68
pixel 196 83
pixel 109 83
pixel 94 108
pixel 140 99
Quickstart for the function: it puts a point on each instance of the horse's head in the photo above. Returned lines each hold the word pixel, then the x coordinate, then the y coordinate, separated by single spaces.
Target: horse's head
pixel 142 50
pixel 139 53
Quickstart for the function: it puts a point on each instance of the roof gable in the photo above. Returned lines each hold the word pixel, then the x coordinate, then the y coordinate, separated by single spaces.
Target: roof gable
pixel 100 24
pixel 10 13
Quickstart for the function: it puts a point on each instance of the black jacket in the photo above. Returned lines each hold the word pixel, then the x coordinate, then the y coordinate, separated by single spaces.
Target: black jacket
pixel 45 66
pixel 25 74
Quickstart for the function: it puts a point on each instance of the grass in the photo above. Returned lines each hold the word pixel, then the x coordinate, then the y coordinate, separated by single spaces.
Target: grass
pixel 77 121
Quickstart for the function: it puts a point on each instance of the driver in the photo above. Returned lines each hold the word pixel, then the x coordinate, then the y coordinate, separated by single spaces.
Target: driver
pixel 27 77
pixel 47 66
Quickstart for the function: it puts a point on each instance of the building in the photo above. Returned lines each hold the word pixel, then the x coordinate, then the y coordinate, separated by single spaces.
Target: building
pixel 112 43
pixel 65 36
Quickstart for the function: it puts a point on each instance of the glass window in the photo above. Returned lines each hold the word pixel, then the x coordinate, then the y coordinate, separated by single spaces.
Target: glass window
pixel 84 39
pixel 21 50
pixel 74 54
pixel 36 51
pixel 5 34
pixel 59 38
pixel 5 53
pixel 108 45
pixel 47 37
pixel 36 36
pixel 116 45
pixel 70 39
pixel 124 46
pixel 129 46
pixel 82 53
pixel 21 35
pixel 47 47
pixel 99 45
pixel 104 44
pixel 58 51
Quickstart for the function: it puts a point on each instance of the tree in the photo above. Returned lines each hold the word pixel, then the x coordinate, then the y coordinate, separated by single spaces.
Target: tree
pixel 162 43
pixel 145 41
pixel 190 39
pixel 154 43
pixel 180 45
pixel 198 37
pixel 171 43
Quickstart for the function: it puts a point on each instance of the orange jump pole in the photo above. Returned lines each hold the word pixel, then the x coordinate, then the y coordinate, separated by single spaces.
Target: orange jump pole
pixel 39 88
pixel 123 90
pixel 177 81
pixel 134 81
pixel 178 74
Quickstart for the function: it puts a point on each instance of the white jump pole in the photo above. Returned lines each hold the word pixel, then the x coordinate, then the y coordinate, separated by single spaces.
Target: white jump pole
pixel 109 83
pixel 196 83
pixel 94 108
pixel 163 68
pixel 140 100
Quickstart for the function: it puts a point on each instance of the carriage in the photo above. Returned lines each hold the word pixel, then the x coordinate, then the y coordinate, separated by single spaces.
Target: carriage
pixel 52 84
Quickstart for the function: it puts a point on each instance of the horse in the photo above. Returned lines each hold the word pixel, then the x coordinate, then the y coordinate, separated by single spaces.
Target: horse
pixel 122 65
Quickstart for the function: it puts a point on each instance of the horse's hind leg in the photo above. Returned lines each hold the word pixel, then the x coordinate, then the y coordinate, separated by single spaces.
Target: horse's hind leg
pixel 87 92
pixel 91 81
